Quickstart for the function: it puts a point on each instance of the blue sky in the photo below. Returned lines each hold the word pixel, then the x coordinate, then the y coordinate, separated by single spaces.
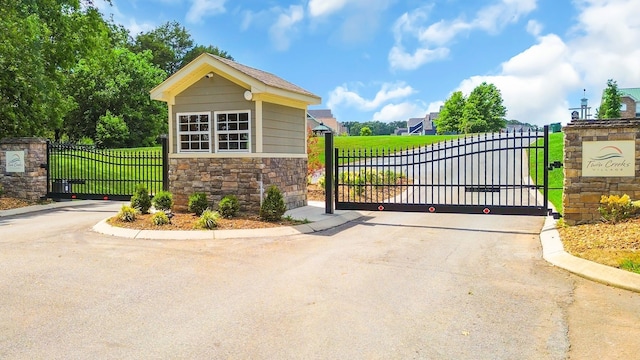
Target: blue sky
pixel 391 60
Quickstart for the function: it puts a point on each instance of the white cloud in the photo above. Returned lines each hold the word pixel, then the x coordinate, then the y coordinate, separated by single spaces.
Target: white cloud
pixel 343 96
pixel 319 8
pixel 400 59
pixel 534 83
pixel 285 27
pixel 204 8
pixel 399 112
pixel 534 28
pixel 433 38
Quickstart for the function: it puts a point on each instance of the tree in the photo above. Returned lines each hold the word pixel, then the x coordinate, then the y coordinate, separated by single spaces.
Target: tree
pixel 365 131
pixel 199 50
pixel 111 131
pixel 41 41
pixel 483 110
pixel 611 101
pixel 168 43
pixel 450 117
pixel 118 83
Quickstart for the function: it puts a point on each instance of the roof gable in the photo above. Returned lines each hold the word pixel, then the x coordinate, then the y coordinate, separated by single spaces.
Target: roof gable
pixel 262 84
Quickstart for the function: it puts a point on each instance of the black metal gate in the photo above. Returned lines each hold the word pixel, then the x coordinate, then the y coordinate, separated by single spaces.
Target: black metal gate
pixel 85 172
pixel 487 173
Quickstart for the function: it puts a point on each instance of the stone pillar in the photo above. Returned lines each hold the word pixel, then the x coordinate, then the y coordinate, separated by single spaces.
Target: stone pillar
pixel 26 180
pixel 581 197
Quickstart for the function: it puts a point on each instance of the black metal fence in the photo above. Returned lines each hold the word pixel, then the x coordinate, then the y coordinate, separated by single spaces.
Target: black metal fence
pixel 85 172
pixel 488 173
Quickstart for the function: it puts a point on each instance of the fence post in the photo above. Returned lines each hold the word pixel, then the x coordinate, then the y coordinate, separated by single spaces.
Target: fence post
pixel 328 172
pixel 164 139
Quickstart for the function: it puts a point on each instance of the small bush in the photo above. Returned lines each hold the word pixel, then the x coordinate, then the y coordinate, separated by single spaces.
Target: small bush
pixel 160 218
pixel 1 190
pixel 616 208
pixel 128 213
pixel 163 200
pixel 229 206
pixel 198 203
pixel 321 181
pixel 141 199
pixel 208 219
pixel 273 206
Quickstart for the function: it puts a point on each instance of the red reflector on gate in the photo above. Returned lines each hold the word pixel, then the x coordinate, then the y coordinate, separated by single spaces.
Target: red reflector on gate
pixel 380 207
pixel 73 196
pixel 486 210
pixel 432 209
pixel 105 198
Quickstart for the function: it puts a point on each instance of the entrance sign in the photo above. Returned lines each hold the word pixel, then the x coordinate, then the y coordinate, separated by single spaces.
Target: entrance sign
pixel 609 158
pixel 15 161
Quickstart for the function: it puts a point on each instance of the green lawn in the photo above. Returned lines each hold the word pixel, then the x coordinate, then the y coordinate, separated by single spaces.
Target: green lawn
pixel 556 176
pixel 113 172
pixel 380 142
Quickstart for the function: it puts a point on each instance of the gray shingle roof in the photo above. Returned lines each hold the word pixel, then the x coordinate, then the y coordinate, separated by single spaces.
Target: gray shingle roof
pixel 264 77
pixel 321 113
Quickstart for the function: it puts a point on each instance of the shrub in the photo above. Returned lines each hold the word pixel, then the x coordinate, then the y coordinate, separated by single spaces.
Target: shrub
pixel 321 181
pixel 1 190
pixel 160 218
pixel 128 213
pixel 198 203
pixel 616 208
pixel 163 200
pixel 208 219
pixel 273 206
pixel 229 206
pixel 141 199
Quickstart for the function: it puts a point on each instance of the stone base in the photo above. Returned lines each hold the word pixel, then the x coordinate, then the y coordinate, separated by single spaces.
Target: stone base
pixel 30 185
pixel 246 178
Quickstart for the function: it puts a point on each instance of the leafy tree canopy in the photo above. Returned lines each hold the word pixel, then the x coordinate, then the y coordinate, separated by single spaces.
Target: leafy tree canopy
pixel 611 101
pixel 481 111
pixel 172 46
pixel 450 116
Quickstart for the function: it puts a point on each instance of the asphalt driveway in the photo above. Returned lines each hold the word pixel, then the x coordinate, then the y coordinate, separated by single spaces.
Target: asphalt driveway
pixel 394 286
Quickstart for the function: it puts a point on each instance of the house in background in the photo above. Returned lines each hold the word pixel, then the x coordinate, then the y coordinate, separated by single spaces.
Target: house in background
pixel 421 126
pixel 630 98
pixel 316 118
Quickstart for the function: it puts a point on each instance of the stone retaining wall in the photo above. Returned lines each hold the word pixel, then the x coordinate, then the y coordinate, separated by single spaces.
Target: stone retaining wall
pixel 31 184
pixel 582 194
pixel 241 177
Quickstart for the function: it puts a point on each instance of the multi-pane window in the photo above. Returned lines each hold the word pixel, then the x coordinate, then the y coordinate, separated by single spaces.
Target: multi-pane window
pixel 233 131
pixel 194 132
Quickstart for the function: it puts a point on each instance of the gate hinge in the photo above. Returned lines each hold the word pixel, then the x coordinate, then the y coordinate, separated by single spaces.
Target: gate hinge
pixel 44 166
pixel 555 165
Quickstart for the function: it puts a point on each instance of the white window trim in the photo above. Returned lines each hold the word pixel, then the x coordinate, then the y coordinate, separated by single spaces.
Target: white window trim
pixel 179 132
pixel 217 132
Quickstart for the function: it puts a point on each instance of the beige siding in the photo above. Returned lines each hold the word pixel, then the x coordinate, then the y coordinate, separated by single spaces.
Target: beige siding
pixel 209 95
pixel 283 129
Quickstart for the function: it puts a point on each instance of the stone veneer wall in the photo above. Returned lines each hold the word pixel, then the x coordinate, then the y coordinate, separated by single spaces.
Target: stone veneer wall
pixel 218 177
pixel 32 184
pixel 581 197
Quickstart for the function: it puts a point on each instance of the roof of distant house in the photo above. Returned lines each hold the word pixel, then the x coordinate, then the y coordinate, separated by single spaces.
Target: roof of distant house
pixel 633 93
pixel 321 113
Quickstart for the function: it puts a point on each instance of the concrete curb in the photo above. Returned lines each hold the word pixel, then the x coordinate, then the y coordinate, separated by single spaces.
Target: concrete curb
pixel 327 222
pixel 553 252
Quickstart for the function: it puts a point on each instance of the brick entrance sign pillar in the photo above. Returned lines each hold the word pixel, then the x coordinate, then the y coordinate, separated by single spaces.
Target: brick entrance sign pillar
pixel 600 158
pixel 21 174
